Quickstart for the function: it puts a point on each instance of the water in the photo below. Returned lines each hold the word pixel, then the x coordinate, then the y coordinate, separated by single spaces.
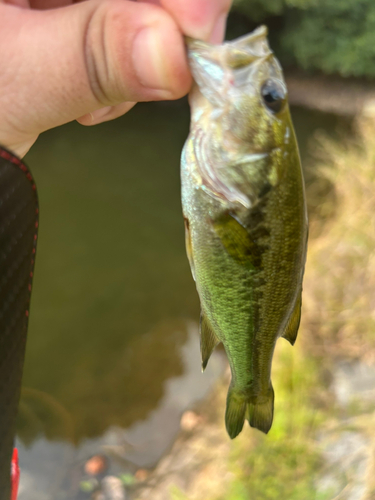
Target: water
pixel 112 356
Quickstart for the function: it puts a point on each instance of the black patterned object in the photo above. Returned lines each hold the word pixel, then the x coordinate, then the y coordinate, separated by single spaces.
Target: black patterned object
pixel 18 236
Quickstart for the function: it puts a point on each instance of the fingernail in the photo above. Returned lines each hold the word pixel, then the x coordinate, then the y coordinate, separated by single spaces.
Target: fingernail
pixel 218 33
pixel 150 66
pixel 99 113
pixel 94 116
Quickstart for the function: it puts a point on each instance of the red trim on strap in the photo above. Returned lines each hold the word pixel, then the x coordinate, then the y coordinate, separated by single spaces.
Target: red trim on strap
pixel 14 475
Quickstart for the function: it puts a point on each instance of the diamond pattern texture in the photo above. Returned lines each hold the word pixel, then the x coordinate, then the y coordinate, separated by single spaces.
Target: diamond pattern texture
pixel 18 237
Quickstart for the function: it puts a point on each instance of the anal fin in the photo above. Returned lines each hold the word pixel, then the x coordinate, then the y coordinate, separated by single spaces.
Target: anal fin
pixel 235 412
pixel 209 340
pixel 291 330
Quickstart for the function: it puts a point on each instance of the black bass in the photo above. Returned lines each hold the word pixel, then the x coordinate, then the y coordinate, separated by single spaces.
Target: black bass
pixel 245 216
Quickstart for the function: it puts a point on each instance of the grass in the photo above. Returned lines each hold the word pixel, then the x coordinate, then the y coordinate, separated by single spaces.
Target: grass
pixel 339 298
pixel 285 463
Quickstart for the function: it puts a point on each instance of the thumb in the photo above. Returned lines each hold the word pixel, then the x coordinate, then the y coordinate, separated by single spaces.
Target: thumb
pixel 60 64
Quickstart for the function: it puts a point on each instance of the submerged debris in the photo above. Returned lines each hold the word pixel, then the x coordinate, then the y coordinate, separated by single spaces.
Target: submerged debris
pixel 96 465
pixel 190 420
pixel 141 475
pixel 112 489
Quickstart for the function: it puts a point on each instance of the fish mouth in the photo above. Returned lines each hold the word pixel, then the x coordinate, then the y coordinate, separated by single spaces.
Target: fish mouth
pixel 223 74
pixel 220 69
pixel 237 53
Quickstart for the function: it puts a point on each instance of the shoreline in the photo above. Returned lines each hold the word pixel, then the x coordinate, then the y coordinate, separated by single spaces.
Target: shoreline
pixel 331 94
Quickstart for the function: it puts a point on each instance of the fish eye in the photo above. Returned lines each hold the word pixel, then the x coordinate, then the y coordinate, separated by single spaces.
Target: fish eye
pixel 274 95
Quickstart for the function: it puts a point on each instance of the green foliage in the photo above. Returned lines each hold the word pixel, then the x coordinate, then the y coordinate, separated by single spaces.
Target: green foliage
pixel 260 9
pixel 257 10
pixel 128 479
pixel 325 35
pixel 88 486
pixel 341 270
pixel 274 472
pixel 335 37
pixel 285 463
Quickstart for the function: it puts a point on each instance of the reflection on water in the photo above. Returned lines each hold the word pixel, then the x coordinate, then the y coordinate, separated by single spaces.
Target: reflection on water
pixel 151 437
pixel 113 293
pixel 39 413
pixel 46 465
pixel 111 265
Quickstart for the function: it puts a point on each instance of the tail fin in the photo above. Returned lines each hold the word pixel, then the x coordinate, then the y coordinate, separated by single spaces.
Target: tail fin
pixel 259 411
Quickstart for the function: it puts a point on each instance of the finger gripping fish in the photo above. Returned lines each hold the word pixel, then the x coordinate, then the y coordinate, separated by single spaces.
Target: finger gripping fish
pixel 245 216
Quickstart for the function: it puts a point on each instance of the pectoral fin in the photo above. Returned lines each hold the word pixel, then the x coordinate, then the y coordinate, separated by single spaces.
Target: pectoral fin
pixel 209 340
pixel 291 330
pixel 237 240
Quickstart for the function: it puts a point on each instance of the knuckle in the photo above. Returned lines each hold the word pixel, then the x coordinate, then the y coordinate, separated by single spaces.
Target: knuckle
pixel 100 62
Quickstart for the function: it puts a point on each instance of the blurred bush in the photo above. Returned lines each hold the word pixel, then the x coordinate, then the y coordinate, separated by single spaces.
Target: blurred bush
pixel 339 300
pixel 325 35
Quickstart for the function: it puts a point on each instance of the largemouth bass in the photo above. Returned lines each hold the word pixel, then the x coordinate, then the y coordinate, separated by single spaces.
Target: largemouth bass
pixel 245 216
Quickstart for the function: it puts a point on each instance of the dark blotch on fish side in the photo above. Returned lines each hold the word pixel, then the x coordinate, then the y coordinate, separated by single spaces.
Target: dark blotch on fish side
pixel 237 240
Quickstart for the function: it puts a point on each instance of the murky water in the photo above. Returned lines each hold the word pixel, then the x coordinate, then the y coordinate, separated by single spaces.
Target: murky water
pixel 113 354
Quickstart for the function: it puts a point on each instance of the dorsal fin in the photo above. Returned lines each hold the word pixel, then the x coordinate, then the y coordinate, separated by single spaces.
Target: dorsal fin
pixel 291 330
pixel 209 340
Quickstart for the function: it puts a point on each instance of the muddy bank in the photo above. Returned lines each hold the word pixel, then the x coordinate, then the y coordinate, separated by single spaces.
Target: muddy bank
pixel 196 465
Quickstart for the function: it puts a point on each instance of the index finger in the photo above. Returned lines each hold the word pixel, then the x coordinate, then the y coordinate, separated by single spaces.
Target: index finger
pixel 202 19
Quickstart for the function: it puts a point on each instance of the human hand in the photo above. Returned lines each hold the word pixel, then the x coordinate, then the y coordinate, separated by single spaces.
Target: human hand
pixel 93 60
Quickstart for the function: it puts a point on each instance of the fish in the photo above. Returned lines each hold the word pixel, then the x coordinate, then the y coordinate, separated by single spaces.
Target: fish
pixel 244 207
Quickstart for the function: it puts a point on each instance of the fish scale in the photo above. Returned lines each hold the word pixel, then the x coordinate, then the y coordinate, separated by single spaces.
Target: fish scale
pixel 245 215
